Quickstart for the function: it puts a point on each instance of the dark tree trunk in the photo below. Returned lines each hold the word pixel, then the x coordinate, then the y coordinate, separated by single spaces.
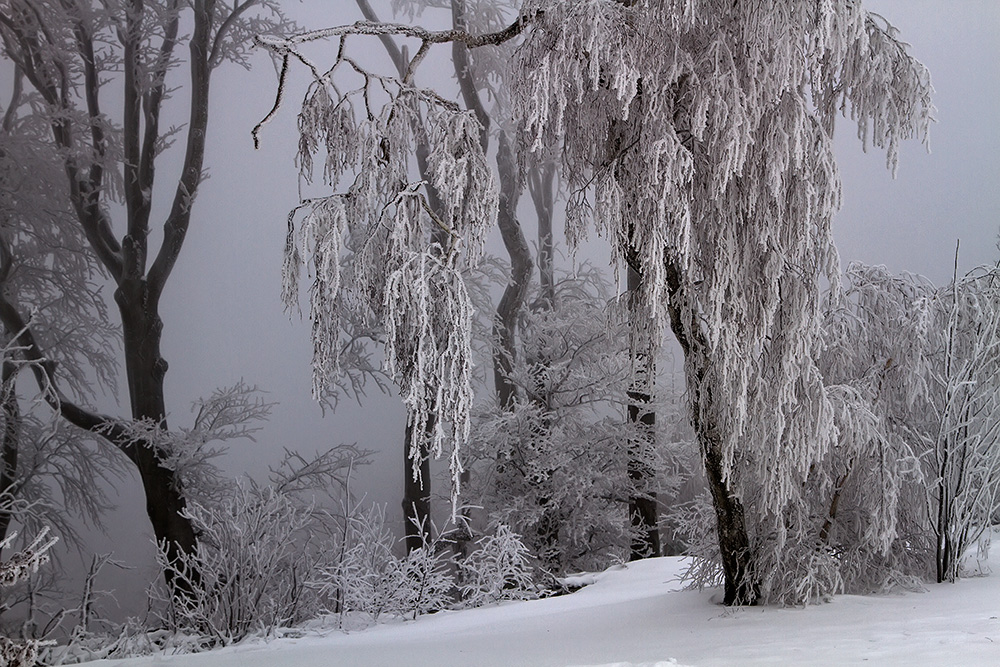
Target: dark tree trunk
pixel 139 281
pixel 642 509
pixel 416 493
pixel 11 439
pixel 734 541
pixel 145 369
pixel 516 291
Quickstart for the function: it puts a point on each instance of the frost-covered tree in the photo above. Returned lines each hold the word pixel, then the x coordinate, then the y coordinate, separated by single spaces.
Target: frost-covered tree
pixel 554 465
pixel 336 335
pixel 498 570
pixel 46 468
pixel 697 138
pixel 717 185
pixel 919 365
pixel 408 242
pixel 77 56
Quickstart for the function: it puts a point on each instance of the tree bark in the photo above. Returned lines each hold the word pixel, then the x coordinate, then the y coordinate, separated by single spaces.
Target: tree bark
pixel 734 542
pixel 11 440
pixel 416 492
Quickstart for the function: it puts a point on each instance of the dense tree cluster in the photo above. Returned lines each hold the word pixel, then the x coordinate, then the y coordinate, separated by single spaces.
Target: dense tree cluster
pixel 844 426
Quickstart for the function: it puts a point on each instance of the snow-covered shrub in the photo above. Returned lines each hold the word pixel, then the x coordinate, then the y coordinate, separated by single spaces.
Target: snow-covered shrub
pixel 498 569
pixel 17 568
pixel 359 579
pixel 425 581
pixel 923 360
pixel 695 524
pixel 367 577
pixel 259 549
pixel 249 569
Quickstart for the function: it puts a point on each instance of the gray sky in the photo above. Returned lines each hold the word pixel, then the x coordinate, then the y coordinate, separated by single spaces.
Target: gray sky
pixel 912 223
pixel 222 311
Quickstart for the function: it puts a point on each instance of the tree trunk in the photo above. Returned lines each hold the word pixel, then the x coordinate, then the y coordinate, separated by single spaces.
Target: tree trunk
pixel 416 493
pixel 11 440
pixel 734 541
pixel 642 509
pixel 516 291
pixel 540 185
pixel 145 369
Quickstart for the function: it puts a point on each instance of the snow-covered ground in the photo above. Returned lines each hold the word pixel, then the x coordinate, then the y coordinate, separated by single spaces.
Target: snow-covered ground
pixel 637 615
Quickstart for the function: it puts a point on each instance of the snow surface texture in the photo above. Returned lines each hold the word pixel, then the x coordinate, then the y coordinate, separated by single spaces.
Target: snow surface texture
pixel 637 616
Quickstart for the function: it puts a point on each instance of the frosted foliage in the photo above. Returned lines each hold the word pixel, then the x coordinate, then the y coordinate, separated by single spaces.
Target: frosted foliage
pixel 718 180
pixel 16 568
pixel 499 570
pixel 247 571
pixel 367 578
pixel 429 346
pixel 25 562
pixel 386 255
pixel 915 475
pixel 229 413
pixel 552 465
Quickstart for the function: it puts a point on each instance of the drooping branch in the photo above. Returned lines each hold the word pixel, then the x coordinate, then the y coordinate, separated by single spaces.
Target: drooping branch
pixel 284 48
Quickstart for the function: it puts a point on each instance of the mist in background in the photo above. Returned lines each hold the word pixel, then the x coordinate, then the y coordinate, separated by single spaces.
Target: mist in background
pixel 223 316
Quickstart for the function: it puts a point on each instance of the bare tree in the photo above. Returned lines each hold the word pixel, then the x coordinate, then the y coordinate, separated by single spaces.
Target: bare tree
pixel 50 474
pixel 72 53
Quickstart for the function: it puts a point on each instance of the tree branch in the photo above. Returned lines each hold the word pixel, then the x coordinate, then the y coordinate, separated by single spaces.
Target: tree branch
pixel 463 70
pixel 279 45
pixel 238 9
pixel 176 226
pixel 44 370
pixel 15 101
pixel 134 250
pixel 28 54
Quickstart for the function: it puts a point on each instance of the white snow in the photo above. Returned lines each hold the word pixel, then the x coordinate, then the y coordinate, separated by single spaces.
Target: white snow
pixel 636 615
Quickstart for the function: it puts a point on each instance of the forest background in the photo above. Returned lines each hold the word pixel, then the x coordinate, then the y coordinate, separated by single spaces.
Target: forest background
pixel 225 320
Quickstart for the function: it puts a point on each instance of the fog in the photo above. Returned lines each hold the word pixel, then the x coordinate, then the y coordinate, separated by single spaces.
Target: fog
pixel 224 320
